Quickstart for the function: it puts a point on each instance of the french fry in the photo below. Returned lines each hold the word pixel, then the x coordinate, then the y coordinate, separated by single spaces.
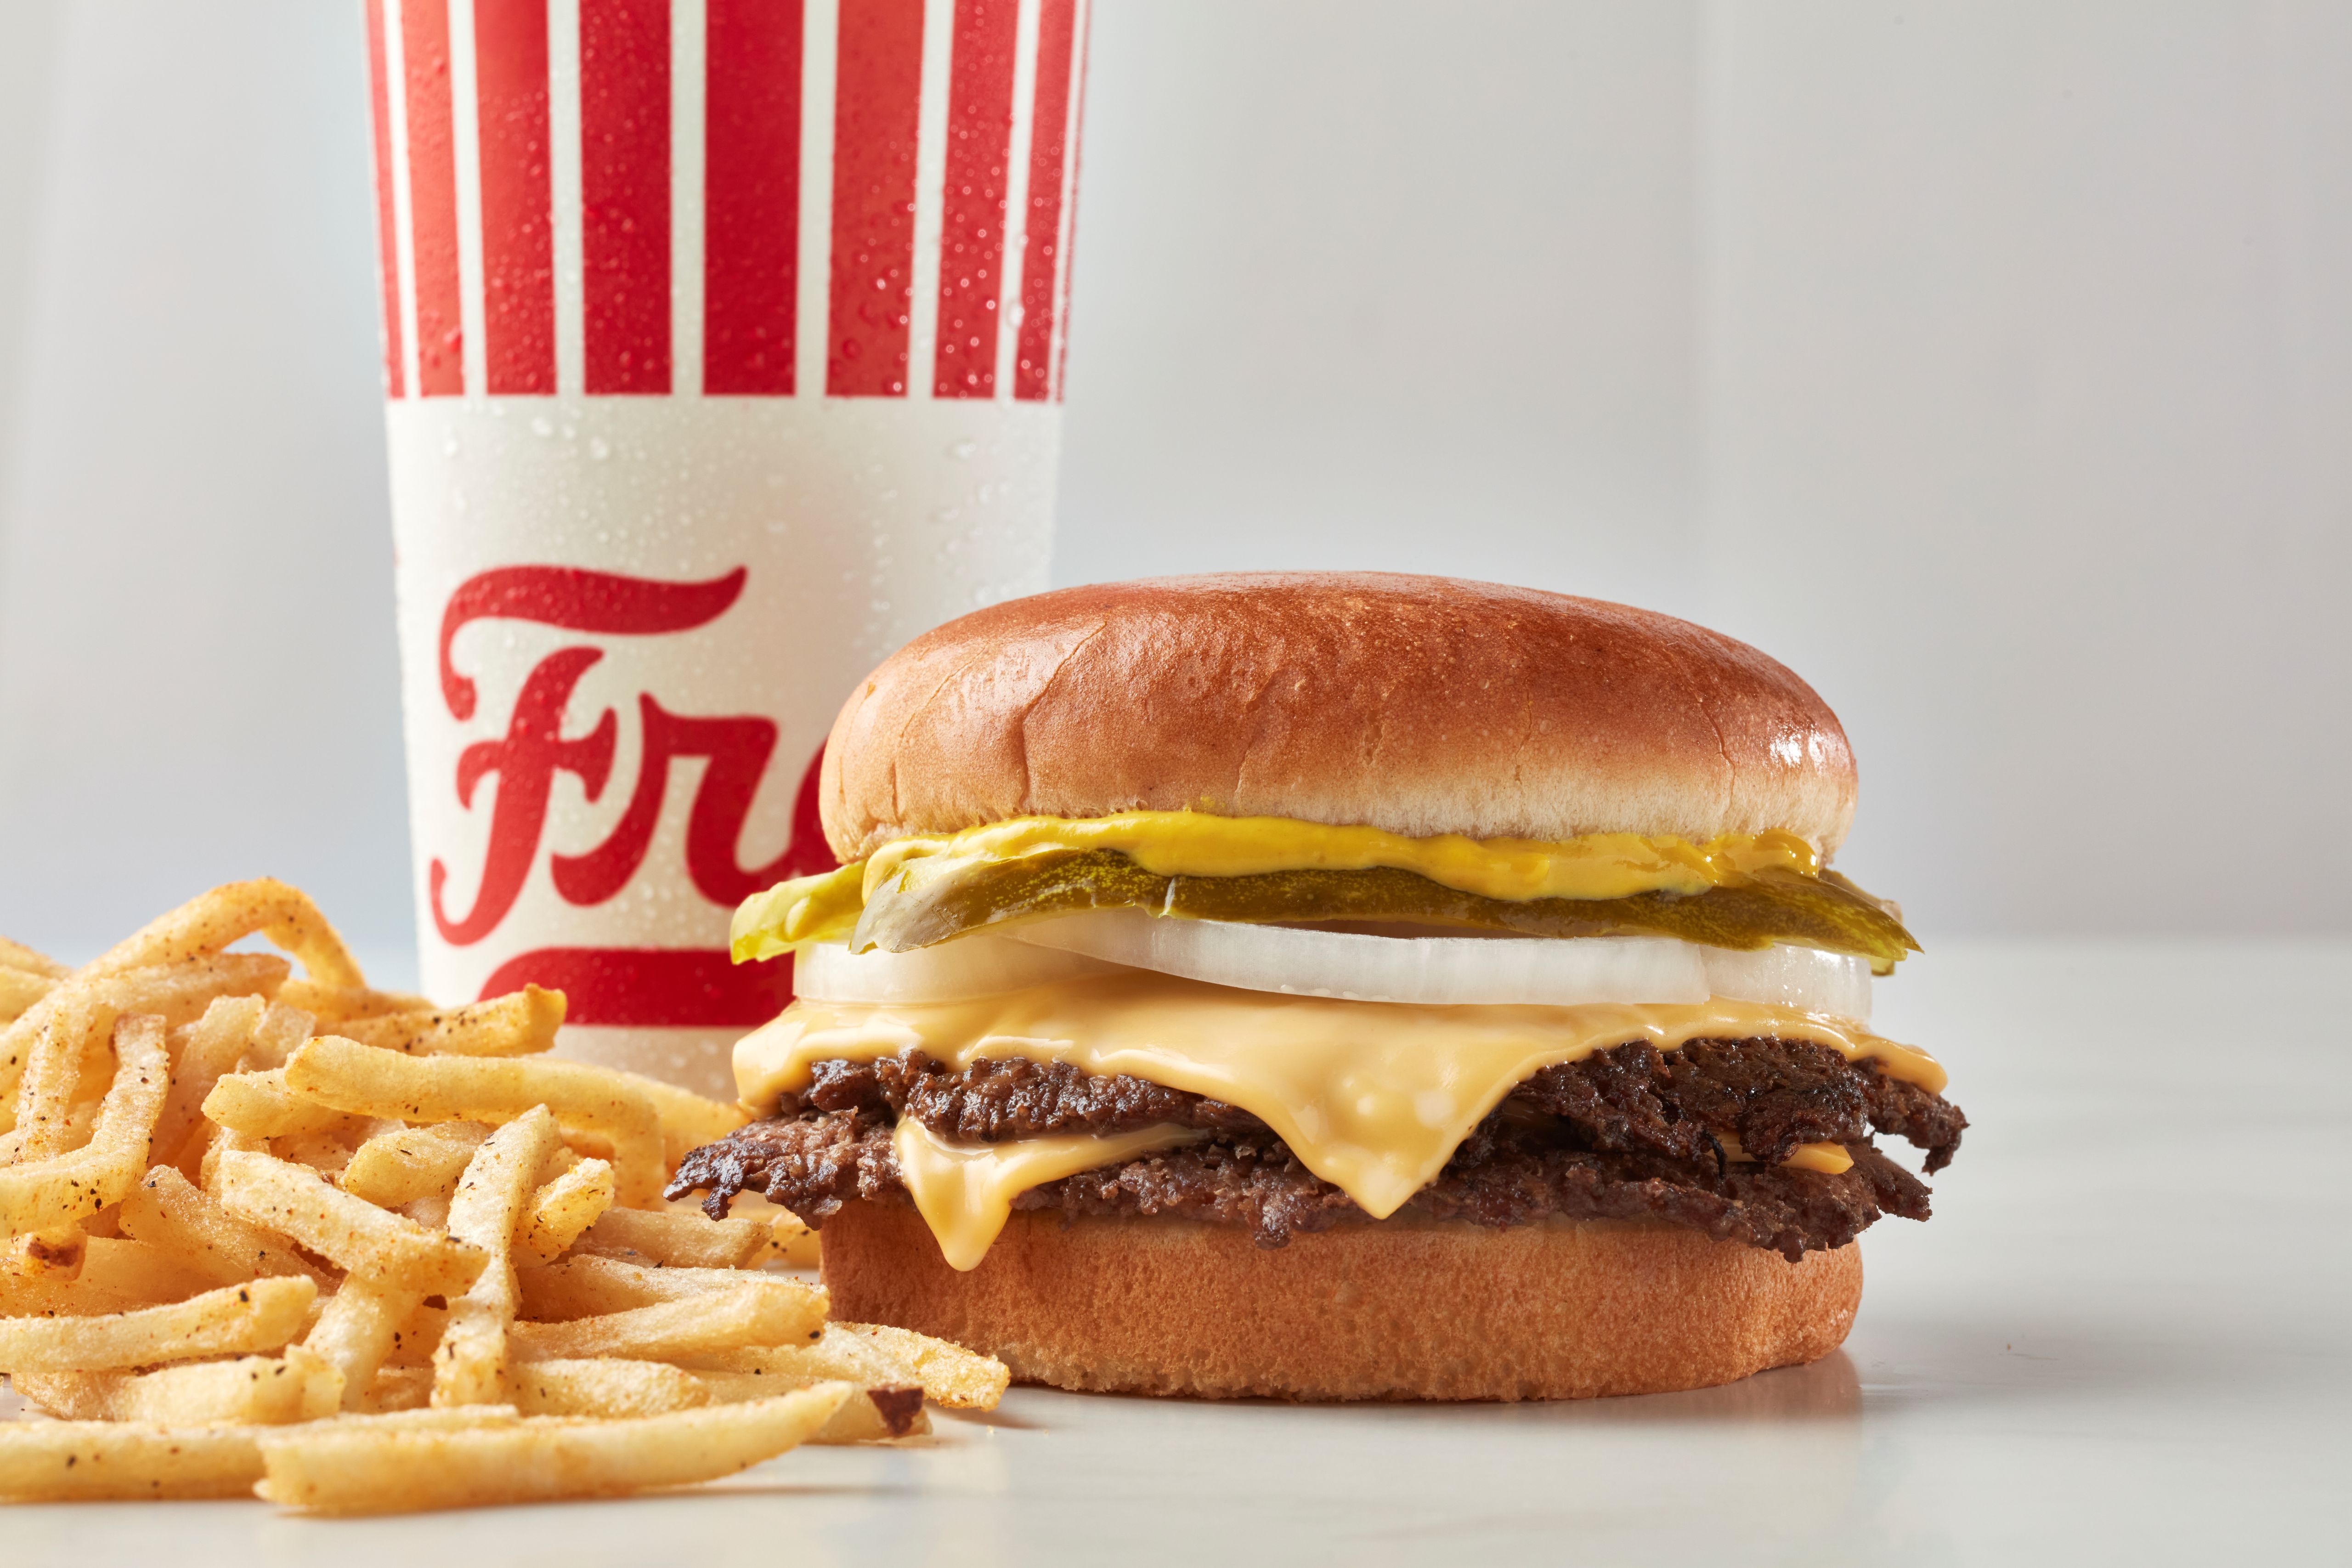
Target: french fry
pixel 471 1366
pixel 608 1387
pixel 137 1271
pixel 229 913
pixel 870 1416
pixel 78 1124
pixel 333 1005
pixel 324 1152
pixel 368 1082
pixel 875 1356
pixel 520 1024
pixel 395 1388
pixel 346 1467
pixel 44 1094
pixel 178 993
pixel 664 1353
pixel 352 1234
pixel 395 1168
pixel 41 1194
pixel 594 1286
pixel 622 1388
pixel 171 1214
pixel 564 1208
pixel 17 956
pixel 236 1319
pixel 52 1296
pixel 88 1461
pixel 433 1214
pixel 260 1105
pixel 225 1143
pixel 358 1330
pixel 682 1239
pixel 263 1391
pixel 688 1120
pixel 19 990
pixel 210 1048
pixel 707 1322
pixel 418 1338
pixel 278 1035
pixel 791 1243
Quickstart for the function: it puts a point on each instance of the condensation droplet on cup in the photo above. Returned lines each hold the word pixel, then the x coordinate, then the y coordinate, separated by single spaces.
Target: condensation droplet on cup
pixel 947 514
pixel 599 449
pixel 449 444
pixel 964 448
pixel 542 426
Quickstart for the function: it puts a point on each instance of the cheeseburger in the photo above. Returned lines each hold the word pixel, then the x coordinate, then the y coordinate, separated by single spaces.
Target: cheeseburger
pixel 1336 987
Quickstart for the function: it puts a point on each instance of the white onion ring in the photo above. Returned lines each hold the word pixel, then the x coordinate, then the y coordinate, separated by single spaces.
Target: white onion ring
pixel 1471 971
pixel 1425 970
pixel 954 971
pixel 1420 970
pixel 1804 978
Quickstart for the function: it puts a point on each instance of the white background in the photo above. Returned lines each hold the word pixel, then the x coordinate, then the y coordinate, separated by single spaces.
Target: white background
pixel 1990 364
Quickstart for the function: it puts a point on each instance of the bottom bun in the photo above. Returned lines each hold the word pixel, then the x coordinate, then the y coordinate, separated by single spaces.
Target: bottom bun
pixel 1387 1312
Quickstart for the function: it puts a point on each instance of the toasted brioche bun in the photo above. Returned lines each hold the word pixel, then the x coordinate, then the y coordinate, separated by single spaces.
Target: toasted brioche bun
pixel 1387 1312
pixel 1421 705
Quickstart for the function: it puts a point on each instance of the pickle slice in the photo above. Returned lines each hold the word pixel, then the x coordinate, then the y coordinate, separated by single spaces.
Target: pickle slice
pixel 914 911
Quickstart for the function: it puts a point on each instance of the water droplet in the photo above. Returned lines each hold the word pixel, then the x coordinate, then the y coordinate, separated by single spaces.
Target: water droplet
pixel 599 449
pixel 542 426
pixel 964 448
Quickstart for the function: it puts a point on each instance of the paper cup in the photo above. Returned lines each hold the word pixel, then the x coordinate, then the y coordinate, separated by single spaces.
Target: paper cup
pixel 723 347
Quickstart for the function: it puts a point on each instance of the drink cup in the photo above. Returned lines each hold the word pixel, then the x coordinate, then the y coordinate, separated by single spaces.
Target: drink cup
pixel 722 354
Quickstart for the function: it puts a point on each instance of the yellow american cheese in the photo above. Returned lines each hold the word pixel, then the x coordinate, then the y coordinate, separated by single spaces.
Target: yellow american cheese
pixel 1371 1096
pixel 1197 844
pixel 965 1191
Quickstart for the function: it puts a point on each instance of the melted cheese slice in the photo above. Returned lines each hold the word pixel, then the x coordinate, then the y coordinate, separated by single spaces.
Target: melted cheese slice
pixel 965 1191
pixel 1371 1096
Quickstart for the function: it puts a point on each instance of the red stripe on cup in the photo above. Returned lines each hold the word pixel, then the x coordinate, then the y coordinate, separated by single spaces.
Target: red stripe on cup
pixel 1040 256
pixel 878 95
pixel 433 198
pixel 751 196
pixel 972 238
pixel 624 194
pixel 651 988
pixel 518 243
pixel 387 234
pixel 1070 223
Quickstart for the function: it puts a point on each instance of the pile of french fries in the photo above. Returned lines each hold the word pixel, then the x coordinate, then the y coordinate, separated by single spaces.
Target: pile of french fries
pixel 283 1236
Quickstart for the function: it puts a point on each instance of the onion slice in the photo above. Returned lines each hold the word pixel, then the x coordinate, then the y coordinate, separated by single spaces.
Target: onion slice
pixel 954 971
pixel 1420 970
pixel 1804 978
pixel 1424 970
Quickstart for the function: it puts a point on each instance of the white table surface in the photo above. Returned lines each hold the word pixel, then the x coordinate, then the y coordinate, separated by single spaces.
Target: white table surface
pixel 2121 1340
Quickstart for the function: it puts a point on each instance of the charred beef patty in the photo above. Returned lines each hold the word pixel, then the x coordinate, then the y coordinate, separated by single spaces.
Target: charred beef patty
pixel 1629 1134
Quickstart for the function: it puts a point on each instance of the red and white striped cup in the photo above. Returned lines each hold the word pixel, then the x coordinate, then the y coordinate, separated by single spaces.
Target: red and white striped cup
pixel 723 351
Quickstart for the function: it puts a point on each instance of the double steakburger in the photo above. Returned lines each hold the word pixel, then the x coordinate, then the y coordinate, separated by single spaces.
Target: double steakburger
pixel 1336 987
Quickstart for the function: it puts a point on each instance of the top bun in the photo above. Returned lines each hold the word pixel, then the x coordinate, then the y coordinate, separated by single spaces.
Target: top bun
pixel 1423 705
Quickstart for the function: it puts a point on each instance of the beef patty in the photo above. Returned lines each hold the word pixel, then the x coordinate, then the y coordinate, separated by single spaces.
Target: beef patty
pixel 1632 1133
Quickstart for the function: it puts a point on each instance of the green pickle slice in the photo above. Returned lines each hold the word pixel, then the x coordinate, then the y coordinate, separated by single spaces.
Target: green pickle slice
pixel 1827 912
